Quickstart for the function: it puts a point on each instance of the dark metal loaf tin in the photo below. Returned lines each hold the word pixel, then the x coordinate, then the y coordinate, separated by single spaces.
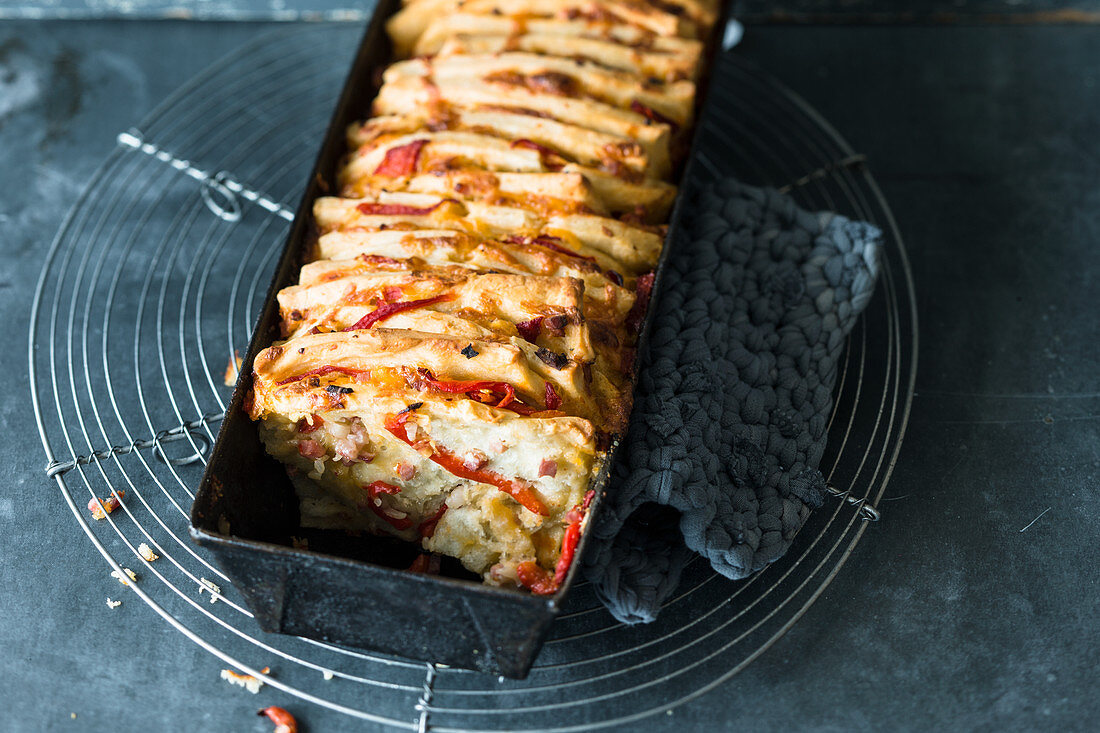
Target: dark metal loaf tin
pixel 354 591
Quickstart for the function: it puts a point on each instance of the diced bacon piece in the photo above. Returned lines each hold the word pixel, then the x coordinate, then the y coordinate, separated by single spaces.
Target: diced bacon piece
pixel 310 424
pixel 311 449
pixel 346 450
pixel 548 468
pixel 350 447
pixel 406 471
pixel 474 460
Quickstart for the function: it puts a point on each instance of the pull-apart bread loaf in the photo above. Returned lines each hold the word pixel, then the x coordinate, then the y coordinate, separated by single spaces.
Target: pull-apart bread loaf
pixel 457 353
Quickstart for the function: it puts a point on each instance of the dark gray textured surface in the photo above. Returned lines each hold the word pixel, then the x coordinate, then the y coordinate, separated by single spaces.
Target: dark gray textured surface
pixel 947 615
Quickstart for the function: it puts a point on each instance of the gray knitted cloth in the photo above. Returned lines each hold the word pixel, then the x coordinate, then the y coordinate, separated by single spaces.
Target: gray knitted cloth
pixel 721 457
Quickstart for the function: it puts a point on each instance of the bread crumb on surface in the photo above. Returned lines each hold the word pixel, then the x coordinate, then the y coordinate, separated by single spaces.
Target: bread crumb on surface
pixel 100 508
pixel 113 604
pixel 147 553
pixel 206 585
pixel 327 675
pixel 246 681
pixel 119 577
pixel 72 716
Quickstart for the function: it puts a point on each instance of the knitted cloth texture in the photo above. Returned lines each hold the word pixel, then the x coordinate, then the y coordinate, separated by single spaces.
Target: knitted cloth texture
pixel 734 395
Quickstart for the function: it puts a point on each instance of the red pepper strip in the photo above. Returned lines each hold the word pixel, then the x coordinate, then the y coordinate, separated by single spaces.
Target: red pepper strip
pixel 548 243
pixel 545 240
pixel 521 409
pixel 321 371
pixel 381 487
pixel 553 400
pixel 531 329
pixel 552 160
pixel 427 527
pixel 386 310
pixel 371 208
pixel 643 290
pixel 284 721
pixel 304 425
pixel 449 461
pixel 467 387
pixel 568 550
pixel 535 579
pixel 653 115
pixel 401 161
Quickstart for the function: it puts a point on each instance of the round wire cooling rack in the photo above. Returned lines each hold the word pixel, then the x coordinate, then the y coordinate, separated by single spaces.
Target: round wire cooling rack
pixel 156 277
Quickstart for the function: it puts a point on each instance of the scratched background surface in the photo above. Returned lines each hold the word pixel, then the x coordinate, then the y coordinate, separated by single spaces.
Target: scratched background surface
pixel 974 604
